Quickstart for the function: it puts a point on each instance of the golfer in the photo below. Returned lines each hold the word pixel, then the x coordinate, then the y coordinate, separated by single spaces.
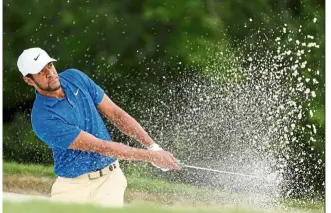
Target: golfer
pixel 65 115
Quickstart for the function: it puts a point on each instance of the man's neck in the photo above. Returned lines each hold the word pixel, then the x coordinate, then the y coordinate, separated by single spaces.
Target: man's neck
pixel 53 94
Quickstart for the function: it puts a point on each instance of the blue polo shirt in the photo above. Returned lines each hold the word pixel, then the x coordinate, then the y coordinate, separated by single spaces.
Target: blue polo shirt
pixel 58 121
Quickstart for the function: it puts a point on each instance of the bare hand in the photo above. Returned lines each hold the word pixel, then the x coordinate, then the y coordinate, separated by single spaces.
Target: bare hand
pixel 164 159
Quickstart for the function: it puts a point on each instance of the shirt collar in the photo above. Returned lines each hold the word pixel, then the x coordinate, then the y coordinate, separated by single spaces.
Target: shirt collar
pixel 64 83
pixel 50 101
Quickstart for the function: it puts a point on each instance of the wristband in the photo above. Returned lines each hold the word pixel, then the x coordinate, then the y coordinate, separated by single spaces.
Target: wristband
pixel 154 147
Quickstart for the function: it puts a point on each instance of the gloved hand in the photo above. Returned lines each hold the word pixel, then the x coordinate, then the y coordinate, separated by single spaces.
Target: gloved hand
pixel 156 147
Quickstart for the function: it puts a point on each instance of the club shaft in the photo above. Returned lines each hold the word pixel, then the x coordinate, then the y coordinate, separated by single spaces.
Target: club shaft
pixel 219 171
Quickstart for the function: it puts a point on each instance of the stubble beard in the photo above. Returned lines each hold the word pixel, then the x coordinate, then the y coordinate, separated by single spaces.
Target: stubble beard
pixel 48 88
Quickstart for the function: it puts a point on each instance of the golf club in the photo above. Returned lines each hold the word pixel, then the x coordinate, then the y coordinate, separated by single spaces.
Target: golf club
pixel 215 170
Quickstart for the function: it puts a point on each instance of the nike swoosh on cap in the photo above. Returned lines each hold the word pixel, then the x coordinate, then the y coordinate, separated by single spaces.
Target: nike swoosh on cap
pixel 36 58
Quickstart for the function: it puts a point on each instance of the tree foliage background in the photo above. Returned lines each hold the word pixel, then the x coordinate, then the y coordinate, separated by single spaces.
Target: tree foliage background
pixel 137 49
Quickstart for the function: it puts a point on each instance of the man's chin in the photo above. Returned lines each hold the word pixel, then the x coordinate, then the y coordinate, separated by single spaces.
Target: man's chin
pixel 52 89
pixel 56 88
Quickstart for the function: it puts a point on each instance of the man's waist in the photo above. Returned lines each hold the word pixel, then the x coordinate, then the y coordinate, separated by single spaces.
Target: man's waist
pixel 74 167
pixel 95 174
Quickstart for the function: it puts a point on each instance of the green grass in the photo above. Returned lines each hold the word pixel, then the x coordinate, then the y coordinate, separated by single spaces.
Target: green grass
pixel 10 168
pixel 145 184
pixel 305 204
pixel 167 192
pixel 52 207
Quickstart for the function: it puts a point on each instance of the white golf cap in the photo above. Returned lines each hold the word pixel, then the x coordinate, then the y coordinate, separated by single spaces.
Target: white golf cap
pixel 33 60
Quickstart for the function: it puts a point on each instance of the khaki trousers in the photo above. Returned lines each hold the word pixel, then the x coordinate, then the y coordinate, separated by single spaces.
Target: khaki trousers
pixel 107 190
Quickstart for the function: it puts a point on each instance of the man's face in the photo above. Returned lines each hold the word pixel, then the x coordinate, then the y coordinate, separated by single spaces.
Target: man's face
pixel 47 79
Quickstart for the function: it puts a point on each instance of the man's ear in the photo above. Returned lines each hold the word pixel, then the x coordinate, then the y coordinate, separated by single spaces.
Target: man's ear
pixel 28 81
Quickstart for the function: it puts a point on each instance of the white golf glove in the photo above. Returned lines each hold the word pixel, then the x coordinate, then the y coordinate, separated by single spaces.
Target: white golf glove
pixel 156 147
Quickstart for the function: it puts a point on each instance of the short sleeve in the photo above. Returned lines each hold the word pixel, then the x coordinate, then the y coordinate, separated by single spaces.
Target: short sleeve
pixel 95 91
pixel 55 132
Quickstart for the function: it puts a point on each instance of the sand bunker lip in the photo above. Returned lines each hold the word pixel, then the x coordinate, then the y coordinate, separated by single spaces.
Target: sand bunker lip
pixel 15 197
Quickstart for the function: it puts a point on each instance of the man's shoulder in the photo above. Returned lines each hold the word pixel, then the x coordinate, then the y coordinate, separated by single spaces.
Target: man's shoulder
pixel 72 72
pixel 74 77
pixel 39 111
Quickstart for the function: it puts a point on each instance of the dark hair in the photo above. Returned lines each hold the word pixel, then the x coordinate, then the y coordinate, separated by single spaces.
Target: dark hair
pixel 29 76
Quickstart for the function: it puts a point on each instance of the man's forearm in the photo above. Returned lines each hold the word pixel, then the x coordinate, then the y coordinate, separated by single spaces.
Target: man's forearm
pixel 87 142
pixel 124 152
pixel 124 121
pixel 131 127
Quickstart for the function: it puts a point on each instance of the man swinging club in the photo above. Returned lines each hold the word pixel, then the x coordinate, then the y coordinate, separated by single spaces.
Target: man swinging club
pixel 65 115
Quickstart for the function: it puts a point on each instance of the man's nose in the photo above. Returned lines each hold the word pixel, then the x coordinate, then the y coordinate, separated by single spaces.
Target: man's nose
pixel 51 73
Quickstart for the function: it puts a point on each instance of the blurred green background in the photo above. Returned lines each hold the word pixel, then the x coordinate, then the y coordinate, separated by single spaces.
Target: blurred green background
pixel 136 49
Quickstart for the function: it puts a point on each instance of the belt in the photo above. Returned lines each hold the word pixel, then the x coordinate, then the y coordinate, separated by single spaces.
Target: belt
pixel 102 172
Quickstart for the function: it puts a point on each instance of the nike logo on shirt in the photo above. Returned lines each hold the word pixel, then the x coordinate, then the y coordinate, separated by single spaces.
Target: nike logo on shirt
pixel 76 93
